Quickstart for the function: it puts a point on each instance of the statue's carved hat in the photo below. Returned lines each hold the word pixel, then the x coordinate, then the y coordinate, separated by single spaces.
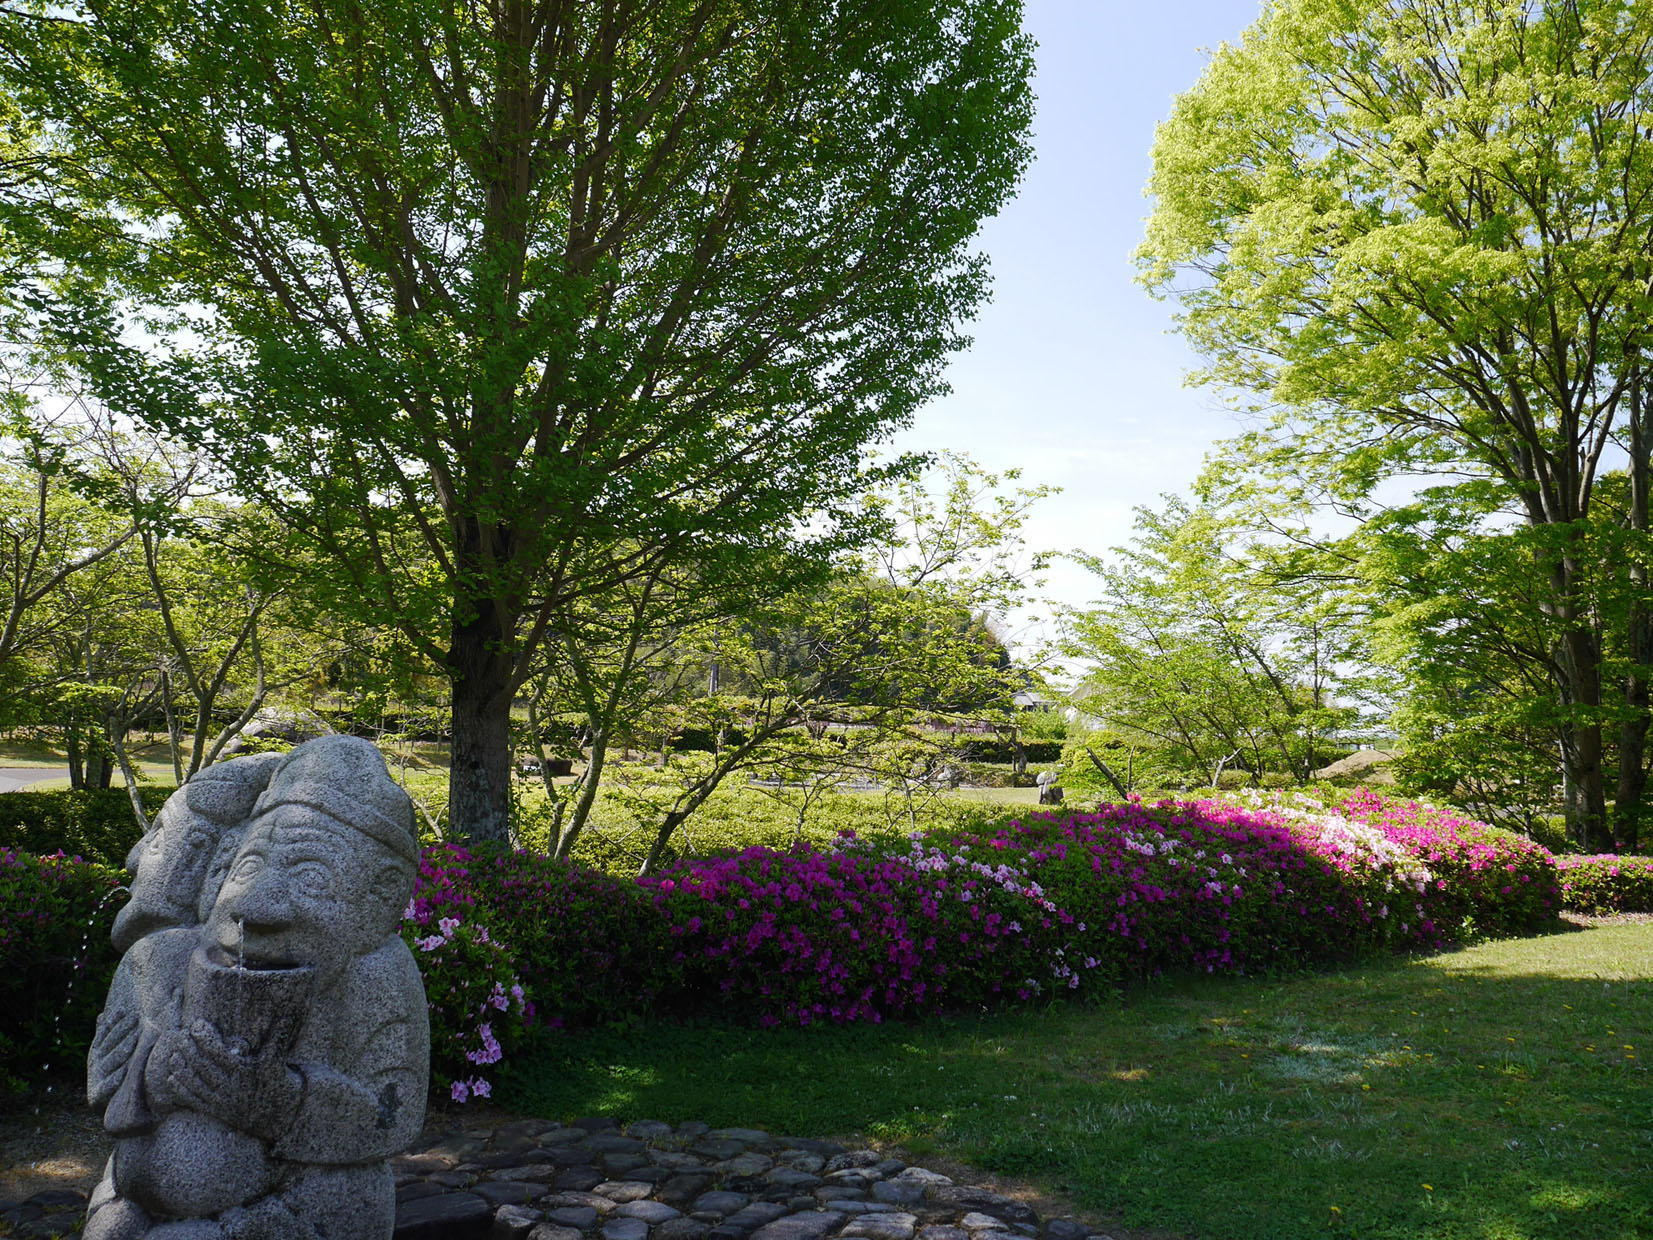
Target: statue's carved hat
pixel 345 778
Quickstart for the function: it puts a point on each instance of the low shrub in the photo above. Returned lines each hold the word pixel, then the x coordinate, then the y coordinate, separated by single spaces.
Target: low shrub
pixel 853 934
pixel 1206 885
pixel 94 823
pixel 735 816
pixel 55 916
pixel 477 1004
pixel 1606 884
pixel 588 945
pixel 507 940
pixel 975 914
pixel 704 740
pixel 1485 880
pixel 998 914
pixel 1002 774
pixel 999 750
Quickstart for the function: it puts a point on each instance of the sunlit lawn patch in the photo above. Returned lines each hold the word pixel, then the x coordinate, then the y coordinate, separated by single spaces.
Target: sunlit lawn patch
pixel 1499 1093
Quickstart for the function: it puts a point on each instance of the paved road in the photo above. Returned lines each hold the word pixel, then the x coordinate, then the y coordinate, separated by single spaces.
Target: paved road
pixel 13 778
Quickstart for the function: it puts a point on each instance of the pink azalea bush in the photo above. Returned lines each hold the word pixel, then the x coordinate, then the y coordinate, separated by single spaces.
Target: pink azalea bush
pixel 1206 885
pixel 472 990
pixel 1055 903
pixel 508 939
pixel 1607 883
pixel 1046 905
pixel 1484 880
pixel 471 986
pixel 568 925
pixel 807 935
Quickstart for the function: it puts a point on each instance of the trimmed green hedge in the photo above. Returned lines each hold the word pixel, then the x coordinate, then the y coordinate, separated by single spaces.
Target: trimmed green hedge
pixel 1606 884
pixel 998 751
pixel 94 823
pixel 55 917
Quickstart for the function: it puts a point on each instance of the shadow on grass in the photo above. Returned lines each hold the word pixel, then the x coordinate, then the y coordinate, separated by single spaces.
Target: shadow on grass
pixel 1495 1093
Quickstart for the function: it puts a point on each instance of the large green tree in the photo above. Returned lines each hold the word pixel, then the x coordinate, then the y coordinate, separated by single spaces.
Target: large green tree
pixel 463 290
pixel 49 533
pixel 811 678
pixel 1422 231
pixel 1214 645
pixel 1462 624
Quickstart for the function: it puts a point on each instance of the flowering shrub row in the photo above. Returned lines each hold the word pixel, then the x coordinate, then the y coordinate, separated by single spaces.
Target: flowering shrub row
pixel 1607 884
pixel 852 934
pixel 1486 880
pixel 1045 905
pixel 1053 903
pixel 1482 880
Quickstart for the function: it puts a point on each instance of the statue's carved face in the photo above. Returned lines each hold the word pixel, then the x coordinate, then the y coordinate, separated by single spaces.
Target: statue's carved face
pixel 168 866
pixel 304 890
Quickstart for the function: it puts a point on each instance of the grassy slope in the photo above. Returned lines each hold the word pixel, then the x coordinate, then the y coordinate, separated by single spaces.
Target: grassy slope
pixel 152 760
pixel 1496 1093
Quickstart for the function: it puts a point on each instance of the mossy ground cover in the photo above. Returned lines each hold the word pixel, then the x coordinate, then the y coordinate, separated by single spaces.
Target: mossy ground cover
pixel 1500 1092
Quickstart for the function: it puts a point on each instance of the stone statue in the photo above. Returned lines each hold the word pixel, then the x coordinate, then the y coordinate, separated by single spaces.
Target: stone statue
pixel 264 1046
pixel 196 828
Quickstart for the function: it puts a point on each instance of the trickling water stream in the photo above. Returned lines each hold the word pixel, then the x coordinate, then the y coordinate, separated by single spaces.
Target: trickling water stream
pixel 76 969
pixel 236 1044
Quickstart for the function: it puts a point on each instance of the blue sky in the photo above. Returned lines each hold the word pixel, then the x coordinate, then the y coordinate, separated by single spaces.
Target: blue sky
pixel 1075 375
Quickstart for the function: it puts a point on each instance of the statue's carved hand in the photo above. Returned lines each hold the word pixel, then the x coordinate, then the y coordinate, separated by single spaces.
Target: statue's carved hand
pixel 258 1094
pixel 172 1047
pixel 112 1046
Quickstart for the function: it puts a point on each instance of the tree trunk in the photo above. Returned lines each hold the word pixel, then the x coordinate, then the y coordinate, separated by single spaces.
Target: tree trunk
pixel 1586 788
pixel 129 777
pixel 1123 789
pixel 479 782
pixel 1584 791
pixel 174 730
pixel 588 794
pixel 1632 781
pixel 1631 785
pixel 76 758
pixel 100 772
pixel 662 837
pixel 697 793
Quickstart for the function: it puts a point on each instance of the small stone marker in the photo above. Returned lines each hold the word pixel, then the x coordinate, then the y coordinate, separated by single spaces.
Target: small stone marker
pixel 264 1046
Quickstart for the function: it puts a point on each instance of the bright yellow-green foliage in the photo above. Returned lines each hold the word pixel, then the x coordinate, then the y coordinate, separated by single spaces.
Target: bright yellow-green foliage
pixel 1418 232
pixel 735 816
pixel 1382 196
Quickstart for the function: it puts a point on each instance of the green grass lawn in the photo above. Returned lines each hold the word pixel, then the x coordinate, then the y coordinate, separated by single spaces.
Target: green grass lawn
pixel 1001 796
pixel 1494 1093
pixel 17 751
pixel 153 760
